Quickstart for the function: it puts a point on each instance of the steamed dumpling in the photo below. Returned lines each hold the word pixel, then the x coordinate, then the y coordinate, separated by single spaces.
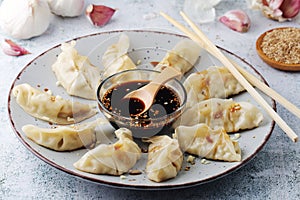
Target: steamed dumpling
pixel 115 59
pixel 183 56
pixel 75 72
pixel 205 142
pixel 218 113
pixel 214 82
pixel 65 138
pixel 114 159
pixel 164 158
pixel 50 108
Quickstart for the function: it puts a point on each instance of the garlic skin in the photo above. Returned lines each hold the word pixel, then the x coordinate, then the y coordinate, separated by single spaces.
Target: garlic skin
pixel 12 49
pixel 236 20
pixel 24 19
pixel 202 11
pixel 279 10
pixel 66 8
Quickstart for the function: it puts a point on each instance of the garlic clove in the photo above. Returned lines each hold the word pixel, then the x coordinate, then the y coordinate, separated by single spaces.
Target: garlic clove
pixel 12 49
pixel 99 15
pixel 236 20
pixel 290 8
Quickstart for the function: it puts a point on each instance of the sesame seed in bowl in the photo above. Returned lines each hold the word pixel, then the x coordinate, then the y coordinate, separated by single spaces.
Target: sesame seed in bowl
pixel 280 48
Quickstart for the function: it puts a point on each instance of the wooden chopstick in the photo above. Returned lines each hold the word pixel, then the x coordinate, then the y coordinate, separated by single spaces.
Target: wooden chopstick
pixel 252 79
pixel 205 43
pixel 268 91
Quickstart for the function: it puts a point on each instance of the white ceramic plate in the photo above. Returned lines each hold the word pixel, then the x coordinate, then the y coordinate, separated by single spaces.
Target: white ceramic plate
pixel 152 46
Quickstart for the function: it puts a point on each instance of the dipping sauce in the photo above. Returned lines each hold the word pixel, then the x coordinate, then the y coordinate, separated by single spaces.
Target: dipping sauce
pixel 168 105
pixel 165 103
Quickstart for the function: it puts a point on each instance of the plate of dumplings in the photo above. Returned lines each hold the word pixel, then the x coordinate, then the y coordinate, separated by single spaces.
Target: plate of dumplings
pixel 53 111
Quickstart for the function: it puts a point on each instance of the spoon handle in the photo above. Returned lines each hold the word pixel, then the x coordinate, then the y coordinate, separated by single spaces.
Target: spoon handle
pixel 165 75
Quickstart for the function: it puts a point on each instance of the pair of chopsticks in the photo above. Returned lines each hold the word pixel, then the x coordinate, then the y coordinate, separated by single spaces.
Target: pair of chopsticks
pixel 240 74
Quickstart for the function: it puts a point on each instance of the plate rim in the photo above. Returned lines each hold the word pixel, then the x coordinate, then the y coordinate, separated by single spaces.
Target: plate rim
pixel 120 184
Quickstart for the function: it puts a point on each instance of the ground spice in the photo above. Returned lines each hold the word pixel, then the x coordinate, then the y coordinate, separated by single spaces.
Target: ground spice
pixel 282 45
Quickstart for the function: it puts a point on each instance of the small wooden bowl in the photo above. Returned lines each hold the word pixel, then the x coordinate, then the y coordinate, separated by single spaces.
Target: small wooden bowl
pixel 271 62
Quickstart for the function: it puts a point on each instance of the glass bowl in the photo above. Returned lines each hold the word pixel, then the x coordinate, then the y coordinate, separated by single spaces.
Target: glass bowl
pixel 140 127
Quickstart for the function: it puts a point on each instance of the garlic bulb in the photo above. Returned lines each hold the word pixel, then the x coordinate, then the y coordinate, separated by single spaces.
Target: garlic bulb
pixel 66 8
pixel 280 10
pixel 24 19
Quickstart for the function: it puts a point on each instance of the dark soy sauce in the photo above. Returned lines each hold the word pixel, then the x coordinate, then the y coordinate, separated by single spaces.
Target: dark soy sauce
pixel 165 102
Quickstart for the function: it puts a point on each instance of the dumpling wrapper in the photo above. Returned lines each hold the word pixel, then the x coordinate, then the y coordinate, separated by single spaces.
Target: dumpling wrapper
pixel 205 142
pixel 218 113
pixel 50 108
pixel 114 159
pixel 115 59
pixel 65 138
pixel 164 158
pixel 75 72
pixel 214 82
pixel 182 57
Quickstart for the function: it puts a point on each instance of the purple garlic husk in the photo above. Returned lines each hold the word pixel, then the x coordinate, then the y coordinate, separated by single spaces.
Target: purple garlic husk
pixel 290 8
pixel 12 49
